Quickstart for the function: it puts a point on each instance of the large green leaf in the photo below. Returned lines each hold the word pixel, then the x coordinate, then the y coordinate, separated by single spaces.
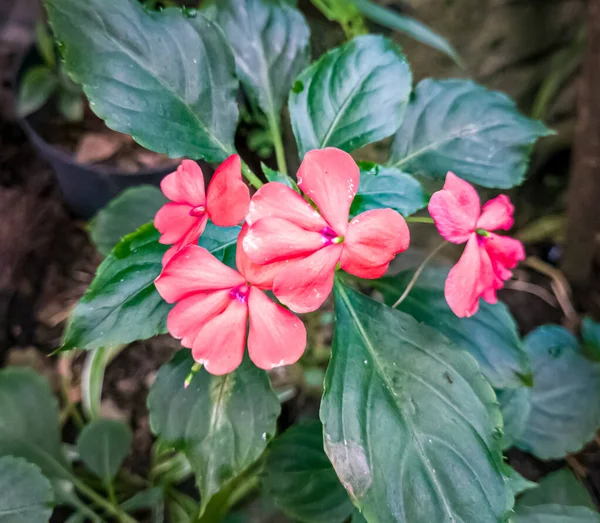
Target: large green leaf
pixel 300 478
pixel 29 422
pixel 555 514
pixel 221 241
pixel 561 487
pixel 517 483
pixel 411 426
pixel 353 95
pixel 387 187
pixel 270 42
pixel 459 126
pixel 26 494
pixel 515 405
pixel 490 336
pixel 221 423
pixel 124 214
pixel 122 304
pixel 565 398
pixel 166 78
pixel 103 445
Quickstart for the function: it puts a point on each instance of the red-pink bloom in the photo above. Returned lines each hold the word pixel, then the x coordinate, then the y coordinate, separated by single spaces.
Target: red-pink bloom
pixel 214 303
pixel 307 244
pixel 183 220
pixel 487 258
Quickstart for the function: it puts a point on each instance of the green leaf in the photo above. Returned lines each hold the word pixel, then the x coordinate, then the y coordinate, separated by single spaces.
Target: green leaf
pixel 517 483
pixel 45 44
pixel 29 422
pixel 387 187
pixel 405 24
pixel 565 398
pixel 275 176
pixel 562 488
pixel 221 241
pixel 92 377
pixel 403 408
pixel 35 90
pixel 70 105
pixel 122 304
pixel 124 214
pixel 459 126
pixel 103 445
pixel 270 42
pixel 165 78
pixel 555 514
pixel 353 95
pixel 148 498
pixel 26 493
pixel 590 332
pixel 490 336
pixel 300 478
pixel 515 405
pixel 221 423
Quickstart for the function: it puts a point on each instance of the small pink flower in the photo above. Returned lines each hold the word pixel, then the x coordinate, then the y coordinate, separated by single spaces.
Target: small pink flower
pixel 487 258
pixel 183 220
pixel 214 303
pixel 307 244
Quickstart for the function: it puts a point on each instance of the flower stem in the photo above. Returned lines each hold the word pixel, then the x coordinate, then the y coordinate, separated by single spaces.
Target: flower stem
pixel 250 176
pixel 417 273
pixel 419 219
pixel 111 508
pixel 277 143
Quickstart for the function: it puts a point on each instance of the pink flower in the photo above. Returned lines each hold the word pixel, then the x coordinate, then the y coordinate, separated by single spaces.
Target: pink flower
pixel 307 244
pixel 183 220
pixel 487 258
pixel 214 303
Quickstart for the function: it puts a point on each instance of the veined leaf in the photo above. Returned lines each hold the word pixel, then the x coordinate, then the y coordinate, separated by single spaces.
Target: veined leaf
pixel 565 398
pixel 518 483
pixel 555 514
pixel 515 405
pixel 459 126
pixel 221 241
pixel 275 176
pixel 490 336
pixel 163 77
pixel 124 214
pixel 270 41
pixel 353 95
pixel 26 493
pixel 300 478
pixel 221 423
pixel 404 408
pixel 560 487
pixel 387 187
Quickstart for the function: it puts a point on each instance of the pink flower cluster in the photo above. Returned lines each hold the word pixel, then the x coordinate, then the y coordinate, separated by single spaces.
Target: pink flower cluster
pixel 288 245
pixel 292 244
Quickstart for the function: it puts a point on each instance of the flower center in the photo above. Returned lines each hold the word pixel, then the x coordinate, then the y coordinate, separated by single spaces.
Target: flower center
pixel 329 236
pixel 482 232
pixel 240 293
pixel 198 211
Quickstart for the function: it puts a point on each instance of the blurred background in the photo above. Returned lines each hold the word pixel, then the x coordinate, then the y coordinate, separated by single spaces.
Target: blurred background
pixel 60 164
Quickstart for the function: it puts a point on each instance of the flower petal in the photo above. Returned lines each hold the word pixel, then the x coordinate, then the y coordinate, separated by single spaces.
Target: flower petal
pixel 276 337
pixel 228 196
pixel 504 249
pixel 260 276
pixel 471 277
pixel 455 209
pixel 185 185
pixel 274 239
pixel 189 315
pixel 220 343
pixel 305 283
pixel 277 200
pixel 174 222
pixel 372 240
pixel 330 178
pixel 193 269
pixel 497 214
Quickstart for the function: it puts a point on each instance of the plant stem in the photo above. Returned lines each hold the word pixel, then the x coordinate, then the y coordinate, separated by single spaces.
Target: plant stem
pixel 419 219
pixel 417 273
pixel 111 508
pixel 277 143
pixel 250 176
